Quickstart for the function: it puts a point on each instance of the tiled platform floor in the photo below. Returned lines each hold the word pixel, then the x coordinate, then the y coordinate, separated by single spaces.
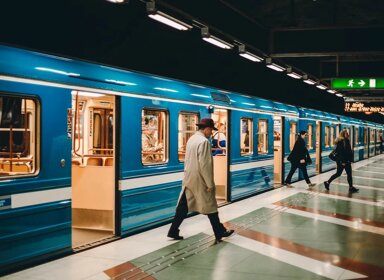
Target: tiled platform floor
pixel 283 234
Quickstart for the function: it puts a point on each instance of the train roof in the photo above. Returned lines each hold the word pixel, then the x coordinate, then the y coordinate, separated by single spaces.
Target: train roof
pixel 79 74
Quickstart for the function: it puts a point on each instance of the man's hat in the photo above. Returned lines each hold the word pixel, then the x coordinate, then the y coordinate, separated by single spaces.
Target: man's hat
pixel 206 123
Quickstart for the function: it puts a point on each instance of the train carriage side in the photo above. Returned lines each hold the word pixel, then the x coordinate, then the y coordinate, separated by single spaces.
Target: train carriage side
pixel 35 173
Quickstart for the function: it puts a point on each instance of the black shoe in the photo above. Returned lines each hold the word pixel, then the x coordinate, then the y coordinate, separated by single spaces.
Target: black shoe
pixel 326 185
pixel 353 190
pixel 226 233
pixel 175 235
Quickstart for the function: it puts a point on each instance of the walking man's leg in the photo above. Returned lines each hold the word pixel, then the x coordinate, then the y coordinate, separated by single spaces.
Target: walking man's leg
pixel 181 213
pixel 218 228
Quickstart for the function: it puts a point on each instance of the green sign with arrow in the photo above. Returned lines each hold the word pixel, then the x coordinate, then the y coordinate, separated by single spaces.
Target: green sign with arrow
pixel 358 83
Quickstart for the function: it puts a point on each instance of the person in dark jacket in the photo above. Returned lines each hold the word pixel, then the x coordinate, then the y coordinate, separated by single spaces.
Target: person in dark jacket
pixel 299 158
pixel 344 157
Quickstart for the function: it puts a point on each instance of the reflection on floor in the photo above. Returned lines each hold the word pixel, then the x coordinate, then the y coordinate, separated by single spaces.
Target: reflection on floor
pixel 81 237
pixel 295 233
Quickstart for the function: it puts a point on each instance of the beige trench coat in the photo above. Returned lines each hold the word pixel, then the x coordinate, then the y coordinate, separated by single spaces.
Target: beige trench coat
pixel 198 175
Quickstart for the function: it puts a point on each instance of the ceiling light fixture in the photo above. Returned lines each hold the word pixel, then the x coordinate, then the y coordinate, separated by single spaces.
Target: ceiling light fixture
pixel 293 74
pixel 273 66
pixel 307 80
pixel 321 86
pixel 214 40
pixel 331 91
pixel 339 95
pixel 166 19
pixel 248 55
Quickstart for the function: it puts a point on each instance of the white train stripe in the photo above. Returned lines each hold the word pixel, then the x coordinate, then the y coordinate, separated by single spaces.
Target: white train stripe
pixel 147 181
pixel 39 197
pixel 317 267
pixel 251 165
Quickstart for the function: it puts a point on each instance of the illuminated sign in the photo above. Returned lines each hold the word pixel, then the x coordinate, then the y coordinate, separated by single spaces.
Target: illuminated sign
pixel 358 83
pixel 361 107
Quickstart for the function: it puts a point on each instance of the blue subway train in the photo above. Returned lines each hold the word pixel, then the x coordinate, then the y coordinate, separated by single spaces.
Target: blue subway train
pixel 90 153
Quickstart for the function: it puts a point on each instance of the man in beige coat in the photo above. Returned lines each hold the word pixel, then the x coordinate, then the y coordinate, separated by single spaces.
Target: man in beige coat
pixel 198 193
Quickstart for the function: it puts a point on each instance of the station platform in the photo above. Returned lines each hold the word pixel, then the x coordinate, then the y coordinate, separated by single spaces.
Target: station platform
pixel 287 233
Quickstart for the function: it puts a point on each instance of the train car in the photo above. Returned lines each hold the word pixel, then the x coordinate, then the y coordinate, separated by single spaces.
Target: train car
pixel 91 153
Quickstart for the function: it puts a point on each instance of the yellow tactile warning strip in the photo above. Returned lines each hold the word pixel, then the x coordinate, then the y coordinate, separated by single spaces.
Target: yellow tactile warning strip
pixel 373 272
pixel 127 271
pixel 331 214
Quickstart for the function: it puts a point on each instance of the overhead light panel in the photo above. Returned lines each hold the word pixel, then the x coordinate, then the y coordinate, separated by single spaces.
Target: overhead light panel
pixel 166 19
pixel 331 91
pixel 308 81
pixel 339 95
pixel 273 66
pixel 321 86
pixel 248 55
pixel 214 40
pixel 293 74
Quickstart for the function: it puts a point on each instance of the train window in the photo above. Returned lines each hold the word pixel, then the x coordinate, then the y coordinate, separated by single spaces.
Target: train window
pixel 187 127
pixel 18 132
pixel 326 136
pixel 292 134
pixel 310 137
pixel 372 138
pixel 102 132
pixel 332 136
pixel 365 136
pixel 154 136
pixel 246 136
pixel 262 145
pixel 356 135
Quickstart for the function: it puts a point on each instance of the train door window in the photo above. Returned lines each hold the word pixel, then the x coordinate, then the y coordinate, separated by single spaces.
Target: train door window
pixel 365 136
pixel 310 137
pixel 102 131
pixel 326 136
pixel 332 135
pixel 356 135
pixel 292 135
pixel 154 136
pixel 187 127
pixel 246 136
pixel 262 145
pixel 18 132
pixel 372 135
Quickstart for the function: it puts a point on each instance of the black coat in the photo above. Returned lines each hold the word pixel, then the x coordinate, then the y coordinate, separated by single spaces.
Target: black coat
pixel 344 150
pixel 299 152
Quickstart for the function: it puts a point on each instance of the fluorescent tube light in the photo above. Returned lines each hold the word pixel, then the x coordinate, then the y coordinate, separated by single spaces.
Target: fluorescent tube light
pixel 339 95
pixel 166 19
pixel 293 74
pixel 273 66
pixel 321 86
pixel 248 55
pixel 331 91
pixel 214 40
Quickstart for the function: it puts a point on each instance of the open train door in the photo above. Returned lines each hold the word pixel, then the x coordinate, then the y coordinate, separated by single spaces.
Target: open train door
pixel 220 154
pixel 278 150
pixel 318 147
pixel 93 168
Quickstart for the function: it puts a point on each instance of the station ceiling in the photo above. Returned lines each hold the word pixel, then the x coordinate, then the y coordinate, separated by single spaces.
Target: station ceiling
pixel 323 38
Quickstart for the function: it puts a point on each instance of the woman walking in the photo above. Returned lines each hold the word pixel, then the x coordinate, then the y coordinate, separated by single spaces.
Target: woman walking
pixel 344 157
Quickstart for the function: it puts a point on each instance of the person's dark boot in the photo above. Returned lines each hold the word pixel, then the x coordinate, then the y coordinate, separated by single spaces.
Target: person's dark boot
pixel 353 190
pixel 175 235
pixel 226 233
pixel 326 185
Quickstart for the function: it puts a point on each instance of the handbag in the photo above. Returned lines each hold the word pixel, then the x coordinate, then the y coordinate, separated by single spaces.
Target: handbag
pixel 333 155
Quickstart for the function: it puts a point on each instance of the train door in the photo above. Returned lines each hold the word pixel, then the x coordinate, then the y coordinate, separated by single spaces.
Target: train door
pixel 93 168
pixel 220 154
pixel 318 147
pixel 278 150
pixel 366 139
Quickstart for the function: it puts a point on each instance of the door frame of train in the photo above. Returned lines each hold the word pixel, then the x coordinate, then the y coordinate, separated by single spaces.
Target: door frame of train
pixel 318 146
pixel 281 152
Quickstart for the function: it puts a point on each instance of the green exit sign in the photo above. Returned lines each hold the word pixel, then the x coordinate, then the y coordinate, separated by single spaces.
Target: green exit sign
pixel 358 83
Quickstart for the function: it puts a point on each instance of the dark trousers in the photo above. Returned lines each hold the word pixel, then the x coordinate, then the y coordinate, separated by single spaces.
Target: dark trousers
pixel 181 214
pixel 340 168
pixel 303 169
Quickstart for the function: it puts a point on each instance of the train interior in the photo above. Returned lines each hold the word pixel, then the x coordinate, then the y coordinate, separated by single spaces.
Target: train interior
pixel 219 152
pixel 93 168
pixel 277 151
